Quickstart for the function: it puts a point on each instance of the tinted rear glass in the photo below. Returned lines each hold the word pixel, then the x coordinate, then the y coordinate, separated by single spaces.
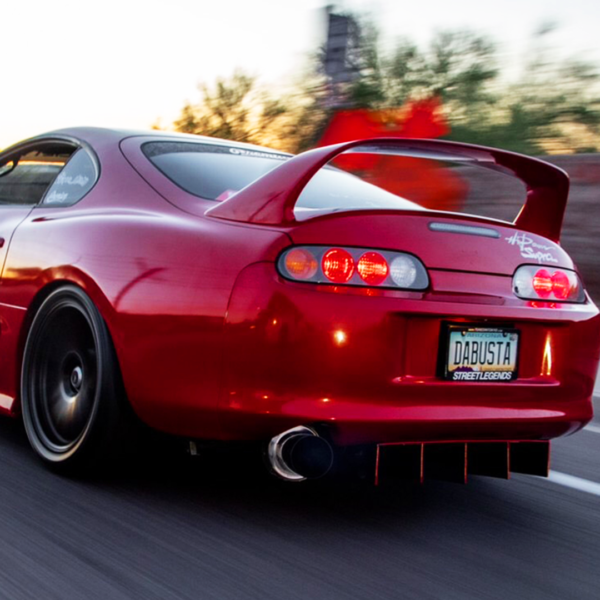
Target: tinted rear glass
pixel 216 172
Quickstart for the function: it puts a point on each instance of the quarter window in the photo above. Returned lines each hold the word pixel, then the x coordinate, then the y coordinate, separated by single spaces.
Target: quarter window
pixel 25 176
pixel 74 181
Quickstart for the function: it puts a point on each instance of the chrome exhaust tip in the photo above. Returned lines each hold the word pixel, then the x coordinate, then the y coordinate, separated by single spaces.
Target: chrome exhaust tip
pixel 299 454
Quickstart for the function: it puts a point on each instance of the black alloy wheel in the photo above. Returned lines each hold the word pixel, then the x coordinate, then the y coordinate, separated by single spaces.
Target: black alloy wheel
pixel 74 409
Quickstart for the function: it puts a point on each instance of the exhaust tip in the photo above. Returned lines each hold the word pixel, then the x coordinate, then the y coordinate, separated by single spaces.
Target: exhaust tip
pixel 299 454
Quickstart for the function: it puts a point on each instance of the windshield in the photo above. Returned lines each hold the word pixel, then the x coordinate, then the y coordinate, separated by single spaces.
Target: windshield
pixel 216 172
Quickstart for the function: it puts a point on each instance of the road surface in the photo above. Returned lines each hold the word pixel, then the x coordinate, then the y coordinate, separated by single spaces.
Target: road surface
pixel 183 529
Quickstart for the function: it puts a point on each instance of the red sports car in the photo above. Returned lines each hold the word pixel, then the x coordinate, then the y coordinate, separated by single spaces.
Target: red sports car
pixel 221 291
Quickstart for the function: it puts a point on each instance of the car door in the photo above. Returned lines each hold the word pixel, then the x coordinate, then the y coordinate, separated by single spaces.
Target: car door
pixel 26 174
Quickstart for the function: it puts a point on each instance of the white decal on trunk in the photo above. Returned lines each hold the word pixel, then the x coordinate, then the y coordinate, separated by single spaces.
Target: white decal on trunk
pixel 530 249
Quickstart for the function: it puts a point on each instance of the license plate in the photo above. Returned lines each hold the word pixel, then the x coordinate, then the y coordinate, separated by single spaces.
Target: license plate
pixel 481 354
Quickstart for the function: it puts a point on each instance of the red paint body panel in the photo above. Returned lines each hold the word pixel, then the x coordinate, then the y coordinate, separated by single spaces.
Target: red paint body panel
pixel 437 250
pixel 161 279
pixel 382 384
pixel 213 343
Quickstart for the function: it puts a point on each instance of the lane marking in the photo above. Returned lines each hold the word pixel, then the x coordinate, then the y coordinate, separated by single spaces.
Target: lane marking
pixel 575 483
pixel 592 428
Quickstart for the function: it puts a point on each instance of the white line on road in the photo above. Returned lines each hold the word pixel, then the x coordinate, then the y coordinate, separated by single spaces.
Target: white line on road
pixel 576 483
pixel 592 428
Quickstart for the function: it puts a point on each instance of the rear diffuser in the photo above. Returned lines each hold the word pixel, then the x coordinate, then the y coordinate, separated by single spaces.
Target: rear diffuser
pixel 455 461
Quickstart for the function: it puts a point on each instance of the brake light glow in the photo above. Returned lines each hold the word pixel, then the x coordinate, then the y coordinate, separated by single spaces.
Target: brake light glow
pixel 542 283
pixel 363 267
pixel 532 283
pixel 373 268
pixel 338 265
pixel 561 287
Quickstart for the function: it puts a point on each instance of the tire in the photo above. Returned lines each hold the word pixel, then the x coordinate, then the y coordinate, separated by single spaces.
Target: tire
pixel 74 410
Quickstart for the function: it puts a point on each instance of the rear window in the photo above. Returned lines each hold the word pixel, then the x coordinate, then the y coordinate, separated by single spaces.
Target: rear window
pixel 216 172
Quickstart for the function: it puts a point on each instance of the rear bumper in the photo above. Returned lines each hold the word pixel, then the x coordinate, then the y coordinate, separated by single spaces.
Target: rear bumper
pixel 367 363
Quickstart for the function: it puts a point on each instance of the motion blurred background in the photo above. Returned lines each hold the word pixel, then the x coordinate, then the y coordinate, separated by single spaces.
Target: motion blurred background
pixel 524 76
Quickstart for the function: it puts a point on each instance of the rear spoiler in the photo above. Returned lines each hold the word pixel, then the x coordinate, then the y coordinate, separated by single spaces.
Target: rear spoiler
pixel 270 200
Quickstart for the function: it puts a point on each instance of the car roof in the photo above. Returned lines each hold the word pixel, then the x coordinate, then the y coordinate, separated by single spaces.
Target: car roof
pixel 101 135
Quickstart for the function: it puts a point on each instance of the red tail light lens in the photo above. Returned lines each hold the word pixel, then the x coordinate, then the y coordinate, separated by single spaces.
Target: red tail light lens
pixel 364 267
pixel 561 286
pixel 373 268
pixel 533 283
pixel 338 265
pixel 542 283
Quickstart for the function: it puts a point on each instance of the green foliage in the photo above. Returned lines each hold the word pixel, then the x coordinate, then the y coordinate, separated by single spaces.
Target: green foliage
pixel 551 100
pixel 552 106
pixel 456 67
pixel 234 109
pixel 368 90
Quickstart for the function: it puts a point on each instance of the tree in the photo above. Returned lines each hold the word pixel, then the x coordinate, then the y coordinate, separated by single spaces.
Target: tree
pixel 234 109
pixel 555 97
pixel 456 68
pixel 553 106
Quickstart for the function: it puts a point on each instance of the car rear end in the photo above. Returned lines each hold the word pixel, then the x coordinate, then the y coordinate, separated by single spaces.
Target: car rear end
pixel 426 342
pixel 385 364
pixel 488 352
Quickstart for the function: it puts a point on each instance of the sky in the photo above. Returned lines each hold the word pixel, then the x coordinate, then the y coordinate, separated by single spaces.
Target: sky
pixel 131 63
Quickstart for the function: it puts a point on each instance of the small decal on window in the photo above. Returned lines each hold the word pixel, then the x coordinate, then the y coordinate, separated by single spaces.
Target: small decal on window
pixel 74 181
pixel 56 197
pixel 80 180
pixel 242 152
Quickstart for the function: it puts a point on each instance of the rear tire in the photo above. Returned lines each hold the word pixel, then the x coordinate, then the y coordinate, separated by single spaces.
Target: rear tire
pixel 74 410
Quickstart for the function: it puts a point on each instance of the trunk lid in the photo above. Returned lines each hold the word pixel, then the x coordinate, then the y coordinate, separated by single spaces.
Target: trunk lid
pixel 441 242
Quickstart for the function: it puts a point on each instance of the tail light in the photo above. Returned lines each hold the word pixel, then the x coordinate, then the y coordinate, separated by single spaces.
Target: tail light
pixel 300 264
pixel 337 265
pixel 353 266
pixel 373 268
pixel 534 283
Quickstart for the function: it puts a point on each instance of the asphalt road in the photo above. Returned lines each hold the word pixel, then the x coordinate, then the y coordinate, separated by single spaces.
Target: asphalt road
pixel 178 528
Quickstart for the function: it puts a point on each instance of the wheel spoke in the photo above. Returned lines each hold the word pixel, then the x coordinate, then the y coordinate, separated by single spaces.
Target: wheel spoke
pixel 65 386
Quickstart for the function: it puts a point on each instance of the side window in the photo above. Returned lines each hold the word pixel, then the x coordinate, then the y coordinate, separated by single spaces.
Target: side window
pixel 25 176
pixel 74 181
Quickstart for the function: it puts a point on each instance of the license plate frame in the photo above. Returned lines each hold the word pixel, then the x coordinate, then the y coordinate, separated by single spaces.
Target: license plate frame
pixel 494 358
